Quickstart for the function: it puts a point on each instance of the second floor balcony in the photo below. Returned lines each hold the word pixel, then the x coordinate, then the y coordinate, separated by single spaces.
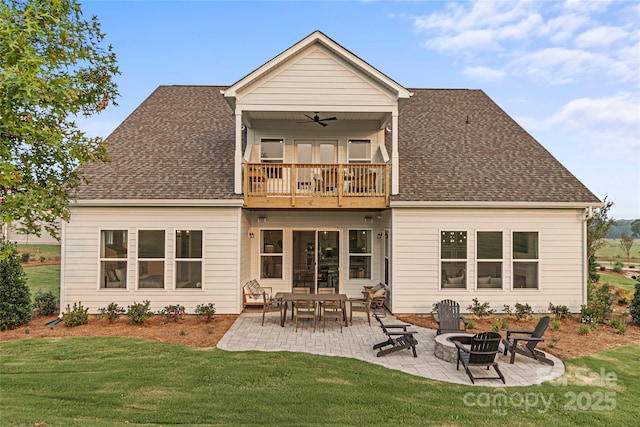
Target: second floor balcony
pixel 282 185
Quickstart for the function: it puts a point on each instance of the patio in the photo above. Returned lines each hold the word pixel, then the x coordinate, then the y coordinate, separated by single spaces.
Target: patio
pixel 357 341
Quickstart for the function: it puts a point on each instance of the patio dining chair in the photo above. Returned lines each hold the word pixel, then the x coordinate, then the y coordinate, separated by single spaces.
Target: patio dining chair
pixel 305 309
pixel 271 305
pixel 361 305
pixel 332 309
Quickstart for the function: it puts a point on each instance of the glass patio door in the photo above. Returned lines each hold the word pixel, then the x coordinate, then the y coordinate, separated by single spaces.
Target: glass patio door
pixel 316 259
pixel 310 152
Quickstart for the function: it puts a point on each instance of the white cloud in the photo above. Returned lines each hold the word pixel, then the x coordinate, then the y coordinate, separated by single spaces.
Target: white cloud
pixel 484 74
pixel 621 110
pixel 466 41
pixel 600 37
pixel 563 27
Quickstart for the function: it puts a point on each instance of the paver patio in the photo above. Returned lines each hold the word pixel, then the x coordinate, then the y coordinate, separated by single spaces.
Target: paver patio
pixel 357 341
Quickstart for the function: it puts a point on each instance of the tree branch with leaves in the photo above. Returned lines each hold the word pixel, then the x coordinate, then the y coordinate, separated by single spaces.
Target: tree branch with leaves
pixel 53 68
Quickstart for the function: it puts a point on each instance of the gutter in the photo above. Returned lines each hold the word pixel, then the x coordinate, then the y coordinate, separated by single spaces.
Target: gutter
pixel 159 203
pixel 488 204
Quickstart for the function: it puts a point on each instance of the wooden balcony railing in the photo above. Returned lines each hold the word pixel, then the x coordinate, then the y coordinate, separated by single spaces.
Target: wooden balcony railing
pixel 316 185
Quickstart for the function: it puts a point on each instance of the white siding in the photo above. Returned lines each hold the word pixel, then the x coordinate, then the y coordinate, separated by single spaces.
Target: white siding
pixel 316 78
pixel 416 257
pixel 221 250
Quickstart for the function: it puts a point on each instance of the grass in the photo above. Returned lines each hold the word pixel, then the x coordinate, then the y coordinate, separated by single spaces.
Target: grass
pixel 612 251
pixel 98 381
pixel 47 251
pixel 46 277
pixel 619 281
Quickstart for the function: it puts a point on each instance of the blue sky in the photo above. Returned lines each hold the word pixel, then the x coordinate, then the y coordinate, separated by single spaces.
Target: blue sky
pixel 567 71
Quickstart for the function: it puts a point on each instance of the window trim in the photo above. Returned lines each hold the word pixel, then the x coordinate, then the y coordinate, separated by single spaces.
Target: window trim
pixel 164 260
pixel 262 254
pixel 102 259
pixel 479 260
pixel 361 254
pixel 526 260
pixel 176 260
pixel 461 260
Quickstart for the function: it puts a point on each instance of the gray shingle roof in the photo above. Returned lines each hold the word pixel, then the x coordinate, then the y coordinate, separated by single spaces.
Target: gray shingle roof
pixel 179 144
pixel 490 158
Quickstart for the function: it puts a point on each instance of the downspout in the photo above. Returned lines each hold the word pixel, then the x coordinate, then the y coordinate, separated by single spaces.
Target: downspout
pixel 63 257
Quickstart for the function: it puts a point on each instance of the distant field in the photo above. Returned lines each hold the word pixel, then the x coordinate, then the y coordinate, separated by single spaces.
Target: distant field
pixel 46 277
pixel 47 251
pixel 614 280
pixel 612 250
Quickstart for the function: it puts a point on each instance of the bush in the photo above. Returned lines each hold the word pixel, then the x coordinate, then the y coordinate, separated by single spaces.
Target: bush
pixel 112 312
pixel 496 325
pixel 599 305
pixel 523 311
pixel 507 310
pixel 206 312
pixel 555 325
pixel 624 296
pixel 75 316
pixel 480 310
pixel 139 312
pixel 584 330
pixel 634 308
pixel 472 324
pixel 617 266
pixel 173 312
pixel 15 298
pixel 45 303
pixel 505 323
pixel 25 256
pixel 560 311
pixel 619 325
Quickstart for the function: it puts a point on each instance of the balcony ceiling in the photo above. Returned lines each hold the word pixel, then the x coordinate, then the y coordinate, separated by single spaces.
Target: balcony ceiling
pixel 299 115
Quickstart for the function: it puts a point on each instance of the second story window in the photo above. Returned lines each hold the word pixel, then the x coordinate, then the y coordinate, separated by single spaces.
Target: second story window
pixel 359 151
pixel 272 151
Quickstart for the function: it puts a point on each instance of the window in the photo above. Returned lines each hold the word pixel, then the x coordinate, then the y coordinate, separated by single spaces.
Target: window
pixel 453 258
pixel 113 259
pixel 359 254
pixel 271 254
pixel 525 260
pixel 151 252
pixel 188 259
pixel 272 151
pixel 489 260
pixel 359 151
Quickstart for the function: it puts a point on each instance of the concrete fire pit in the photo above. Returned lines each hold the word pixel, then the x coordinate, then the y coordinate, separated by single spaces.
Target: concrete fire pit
pixel 445 349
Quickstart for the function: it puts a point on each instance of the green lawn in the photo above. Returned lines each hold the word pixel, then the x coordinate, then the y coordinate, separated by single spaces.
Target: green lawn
pixel 46 277
pixel 47 251
pixel 619 281
pixel 79 381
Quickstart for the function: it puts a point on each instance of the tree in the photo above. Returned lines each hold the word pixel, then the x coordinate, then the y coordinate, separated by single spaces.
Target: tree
pixel 53 68
pixel 15 297
pixel 597 228
pixel 635 228
pixel 626 242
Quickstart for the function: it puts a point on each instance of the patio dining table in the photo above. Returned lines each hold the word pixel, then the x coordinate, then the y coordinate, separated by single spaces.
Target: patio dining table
pixel 287 297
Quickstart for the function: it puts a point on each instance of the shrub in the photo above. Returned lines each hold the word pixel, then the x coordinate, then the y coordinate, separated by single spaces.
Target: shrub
pixel 555 325
pixel 624 296
pixel 15 298
pixel 478 309
pixel 523 311
pixel 505 323
pixel 507 310
pixel 472 324
pixel 25 257
pixel 206 311
pixel 496 325
pixel 75 316
pixel 174 312
pixel 560 311
pixel 45 303
pixel 634 307
pixel 617 266
pixel 584 330
pixel 139 312
pixel 599 305
pixel 112 312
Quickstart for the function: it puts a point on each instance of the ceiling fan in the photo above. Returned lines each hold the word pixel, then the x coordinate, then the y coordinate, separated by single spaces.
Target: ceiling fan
pixel 317 119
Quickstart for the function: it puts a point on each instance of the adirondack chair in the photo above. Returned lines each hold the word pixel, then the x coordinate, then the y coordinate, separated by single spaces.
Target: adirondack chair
pixel 449 317
pixel 532 338
pixel 399 338
pixel 482 352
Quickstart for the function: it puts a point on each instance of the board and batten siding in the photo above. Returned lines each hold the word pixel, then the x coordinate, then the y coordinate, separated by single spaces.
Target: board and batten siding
pixel 221 229
pixel 416 257
pixel 316 78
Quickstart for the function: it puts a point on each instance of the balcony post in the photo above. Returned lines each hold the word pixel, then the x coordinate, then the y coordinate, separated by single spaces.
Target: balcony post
pixel 395 162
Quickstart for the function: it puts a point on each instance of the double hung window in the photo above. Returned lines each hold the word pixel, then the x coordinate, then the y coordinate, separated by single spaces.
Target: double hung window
pixel 525 260
pixel 113 259
pixel 489 259
pixel 151 259
pixel 188 259
pixel 453 259
pixel 271 254
pixel 359 254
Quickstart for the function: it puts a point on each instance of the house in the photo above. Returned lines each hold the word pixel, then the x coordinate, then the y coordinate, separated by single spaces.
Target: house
pixel 318 170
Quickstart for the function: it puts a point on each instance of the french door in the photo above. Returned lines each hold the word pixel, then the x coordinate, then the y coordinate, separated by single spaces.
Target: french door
pixel 316 259
pixel 312 152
